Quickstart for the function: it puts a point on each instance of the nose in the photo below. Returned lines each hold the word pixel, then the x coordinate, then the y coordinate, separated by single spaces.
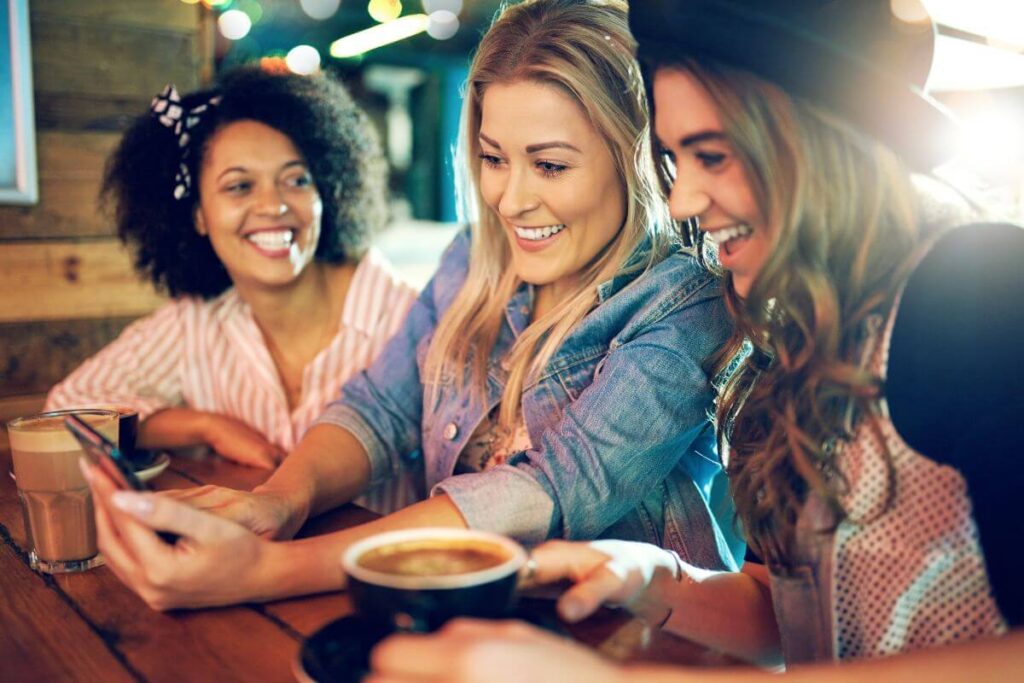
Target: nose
pixel 687 198
pixel 269 201
pixel 517 196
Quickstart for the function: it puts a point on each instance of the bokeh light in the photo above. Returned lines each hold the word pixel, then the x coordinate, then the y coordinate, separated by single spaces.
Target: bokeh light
pixel 252 8
pixel 303 59
pixel 384 10
pixel 431 6
pixel 443 25
pixel 909 11
pixel 234 24
pixel 320 9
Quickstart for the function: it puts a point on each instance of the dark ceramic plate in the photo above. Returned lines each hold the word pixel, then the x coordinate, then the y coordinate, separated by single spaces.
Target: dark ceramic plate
pixel 340 651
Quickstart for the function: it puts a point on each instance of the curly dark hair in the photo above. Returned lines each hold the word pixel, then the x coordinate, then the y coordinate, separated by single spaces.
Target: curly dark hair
pixel 317 113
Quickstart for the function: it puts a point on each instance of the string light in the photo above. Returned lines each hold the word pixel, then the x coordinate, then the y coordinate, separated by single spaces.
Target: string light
pixel 303 59
pixel 384 10
pixel 234 24
pixel 380 35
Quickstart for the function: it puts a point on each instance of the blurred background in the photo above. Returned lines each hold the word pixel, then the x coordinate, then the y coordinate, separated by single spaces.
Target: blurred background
pixel 68 287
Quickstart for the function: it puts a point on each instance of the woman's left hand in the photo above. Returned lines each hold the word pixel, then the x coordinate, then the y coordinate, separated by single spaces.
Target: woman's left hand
pixel 207 566
pixel 469 650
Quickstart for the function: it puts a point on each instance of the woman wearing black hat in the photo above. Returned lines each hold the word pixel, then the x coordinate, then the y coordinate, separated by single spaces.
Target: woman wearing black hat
pixel 873 420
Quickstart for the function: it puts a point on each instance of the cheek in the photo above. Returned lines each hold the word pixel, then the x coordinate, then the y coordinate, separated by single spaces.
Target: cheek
pixel 490 188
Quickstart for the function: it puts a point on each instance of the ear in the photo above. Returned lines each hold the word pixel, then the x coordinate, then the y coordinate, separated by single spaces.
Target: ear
pixel 199 221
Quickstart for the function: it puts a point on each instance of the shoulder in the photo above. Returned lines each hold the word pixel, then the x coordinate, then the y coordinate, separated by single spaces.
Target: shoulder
pixel 676 303
pixel 375 274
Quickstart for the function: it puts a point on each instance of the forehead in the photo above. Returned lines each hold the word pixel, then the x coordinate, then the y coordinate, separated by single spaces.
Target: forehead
pixel 682 107
pixel 526 112
pixel 247 139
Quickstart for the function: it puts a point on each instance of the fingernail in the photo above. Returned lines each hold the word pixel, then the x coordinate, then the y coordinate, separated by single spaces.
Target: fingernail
pixel 132 503
pixel 572 610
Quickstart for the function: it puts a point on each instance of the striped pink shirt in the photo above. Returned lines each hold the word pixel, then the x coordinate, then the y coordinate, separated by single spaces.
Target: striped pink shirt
pixel 211 356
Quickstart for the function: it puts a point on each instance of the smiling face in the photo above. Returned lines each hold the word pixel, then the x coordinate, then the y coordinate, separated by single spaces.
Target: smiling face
pixel 548 176
pixel 710 181
pixel 258 205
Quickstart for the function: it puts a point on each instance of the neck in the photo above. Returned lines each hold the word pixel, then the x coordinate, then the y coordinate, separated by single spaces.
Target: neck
pixel 546 297
pixel 287 311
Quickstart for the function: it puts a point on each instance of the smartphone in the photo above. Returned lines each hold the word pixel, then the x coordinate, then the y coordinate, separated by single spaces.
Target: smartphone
pixel 105 455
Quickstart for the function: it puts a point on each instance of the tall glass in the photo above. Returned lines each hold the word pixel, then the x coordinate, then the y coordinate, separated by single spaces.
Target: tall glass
pixel 55 498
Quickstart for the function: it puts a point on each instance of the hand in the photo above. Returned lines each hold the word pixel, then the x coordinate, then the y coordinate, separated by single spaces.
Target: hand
pixel 606 571
pixel 266 514
pixel 209 565
pixel 468 650
pixel 237 441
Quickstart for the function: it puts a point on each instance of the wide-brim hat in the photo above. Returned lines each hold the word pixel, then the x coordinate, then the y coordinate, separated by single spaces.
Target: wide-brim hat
pixel 852 56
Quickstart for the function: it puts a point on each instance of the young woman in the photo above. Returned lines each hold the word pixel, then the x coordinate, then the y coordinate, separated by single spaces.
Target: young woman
pixel 872 431
pixel 551 373
pixel 252 205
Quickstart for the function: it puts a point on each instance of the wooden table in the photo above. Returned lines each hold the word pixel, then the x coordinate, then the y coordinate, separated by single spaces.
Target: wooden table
pixel 90 627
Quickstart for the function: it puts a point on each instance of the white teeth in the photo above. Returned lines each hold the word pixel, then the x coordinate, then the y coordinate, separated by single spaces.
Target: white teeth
pixel 725 234
pixel 538 233
pixel 272 239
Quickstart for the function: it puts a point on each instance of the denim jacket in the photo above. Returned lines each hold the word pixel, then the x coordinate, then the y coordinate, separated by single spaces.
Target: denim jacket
pixel 618 419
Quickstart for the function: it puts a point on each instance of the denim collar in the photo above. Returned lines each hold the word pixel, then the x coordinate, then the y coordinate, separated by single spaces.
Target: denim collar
pixel 635 265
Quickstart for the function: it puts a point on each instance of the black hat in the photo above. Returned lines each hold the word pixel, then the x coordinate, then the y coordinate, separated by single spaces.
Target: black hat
pixel 853 56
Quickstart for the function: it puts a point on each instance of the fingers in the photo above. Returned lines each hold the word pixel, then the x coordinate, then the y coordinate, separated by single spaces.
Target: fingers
pixel 557 560
pixel 445 655
pixel 585 597
pixel 161 512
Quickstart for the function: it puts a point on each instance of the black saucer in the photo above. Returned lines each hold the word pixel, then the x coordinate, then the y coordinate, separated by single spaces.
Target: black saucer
pixel 340 651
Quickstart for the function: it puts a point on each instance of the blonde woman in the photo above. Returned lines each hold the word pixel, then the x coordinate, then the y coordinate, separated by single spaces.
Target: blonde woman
pixel 874 431
pixel 550 374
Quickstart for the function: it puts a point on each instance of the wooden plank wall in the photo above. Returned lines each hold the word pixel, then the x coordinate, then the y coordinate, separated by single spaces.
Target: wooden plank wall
pixel 66 283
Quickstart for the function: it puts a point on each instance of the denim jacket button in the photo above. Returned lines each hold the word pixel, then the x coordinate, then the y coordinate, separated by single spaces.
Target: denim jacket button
pixel 451 430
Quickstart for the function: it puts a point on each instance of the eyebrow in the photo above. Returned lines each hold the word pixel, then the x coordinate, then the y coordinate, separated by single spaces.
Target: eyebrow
pixel 243 169
pixel 702 136
pixel 539 147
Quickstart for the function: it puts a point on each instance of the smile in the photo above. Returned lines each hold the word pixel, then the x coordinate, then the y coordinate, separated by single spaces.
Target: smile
pixel 272 239
pixel 727 239
pixel 535 234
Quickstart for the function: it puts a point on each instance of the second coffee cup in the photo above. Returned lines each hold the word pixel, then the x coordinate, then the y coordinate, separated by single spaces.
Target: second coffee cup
pixel 417 579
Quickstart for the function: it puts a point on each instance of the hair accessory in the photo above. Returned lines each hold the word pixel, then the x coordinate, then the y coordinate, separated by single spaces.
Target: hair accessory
pixel 168 110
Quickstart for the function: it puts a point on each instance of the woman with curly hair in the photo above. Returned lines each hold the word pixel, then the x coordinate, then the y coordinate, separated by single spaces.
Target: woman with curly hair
pixel 871 426
pixel 550 373
pixel 252 205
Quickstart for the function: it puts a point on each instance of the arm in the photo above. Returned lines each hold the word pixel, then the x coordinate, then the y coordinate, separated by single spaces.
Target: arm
pixel 499 652
pixel 142 369
pixel 139 369
pixel 727 611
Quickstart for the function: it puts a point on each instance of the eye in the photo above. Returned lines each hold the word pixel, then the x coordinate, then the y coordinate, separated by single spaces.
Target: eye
pixel 550 169
pixel 490 160
pixel 239 187
pixel 710 160
pixel 299 180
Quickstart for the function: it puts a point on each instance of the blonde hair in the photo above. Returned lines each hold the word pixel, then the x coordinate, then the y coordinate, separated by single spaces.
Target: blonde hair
pixel 584 48
pixel 844 220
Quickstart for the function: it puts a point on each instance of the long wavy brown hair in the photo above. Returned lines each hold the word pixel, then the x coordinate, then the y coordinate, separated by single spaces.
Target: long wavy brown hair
pixel 844 220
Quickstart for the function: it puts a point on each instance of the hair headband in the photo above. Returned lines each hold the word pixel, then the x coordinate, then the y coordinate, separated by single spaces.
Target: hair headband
pixel 167 109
